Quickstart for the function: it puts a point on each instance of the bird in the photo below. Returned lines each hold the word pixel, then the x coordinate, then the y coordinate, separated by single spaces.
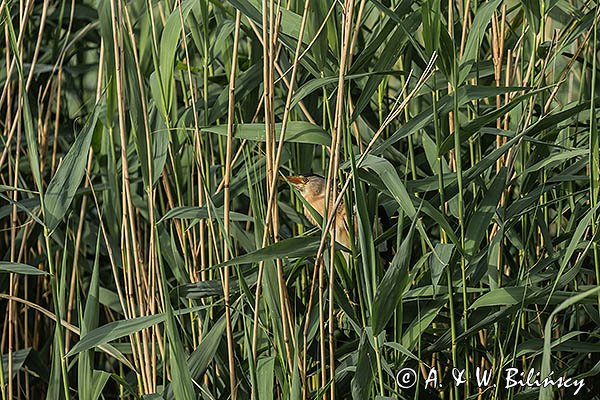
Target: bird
pixel 312 188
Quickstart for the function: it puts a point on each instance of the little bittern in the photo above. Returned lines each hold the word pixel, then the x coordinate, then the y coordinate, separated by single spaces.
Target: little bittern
pixel 312 188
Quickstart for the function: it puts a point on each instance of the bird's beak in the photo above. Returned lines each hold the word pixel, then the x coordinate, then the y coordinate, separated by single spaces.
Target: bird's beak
pixel 296 180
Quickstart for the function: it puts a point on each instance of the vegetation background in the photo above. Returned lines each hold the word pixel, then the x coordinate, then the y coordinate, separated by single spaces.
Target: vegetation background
pixel 141 204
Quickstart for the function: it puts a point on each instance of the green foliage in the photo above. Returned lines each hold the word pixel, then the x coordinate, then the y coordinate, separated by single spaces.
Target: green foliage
pixel 145 254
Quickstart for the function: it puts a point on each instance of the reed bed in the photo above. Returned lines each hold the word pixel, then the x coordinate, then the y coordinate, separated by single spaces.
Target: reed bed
pixel 150 248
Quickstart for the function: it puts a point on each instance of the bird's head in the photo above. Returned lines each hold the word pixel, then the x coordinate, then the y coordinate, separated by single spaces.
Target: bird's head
pixel 309 186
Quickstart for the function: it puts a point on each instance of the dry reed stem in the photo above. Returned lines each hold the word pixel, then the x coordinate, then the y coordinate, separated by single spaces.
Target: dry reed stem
pixel 226 205
pixel 271 202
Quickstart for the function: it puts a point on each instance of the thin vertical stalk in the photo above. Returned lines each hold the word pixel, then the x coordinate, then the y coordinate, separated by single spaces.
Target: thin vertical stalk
pixel 267 108
pixel 331 193
pixel 226 205
pixel 594 162
pixel 272 190
pixel 130 246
